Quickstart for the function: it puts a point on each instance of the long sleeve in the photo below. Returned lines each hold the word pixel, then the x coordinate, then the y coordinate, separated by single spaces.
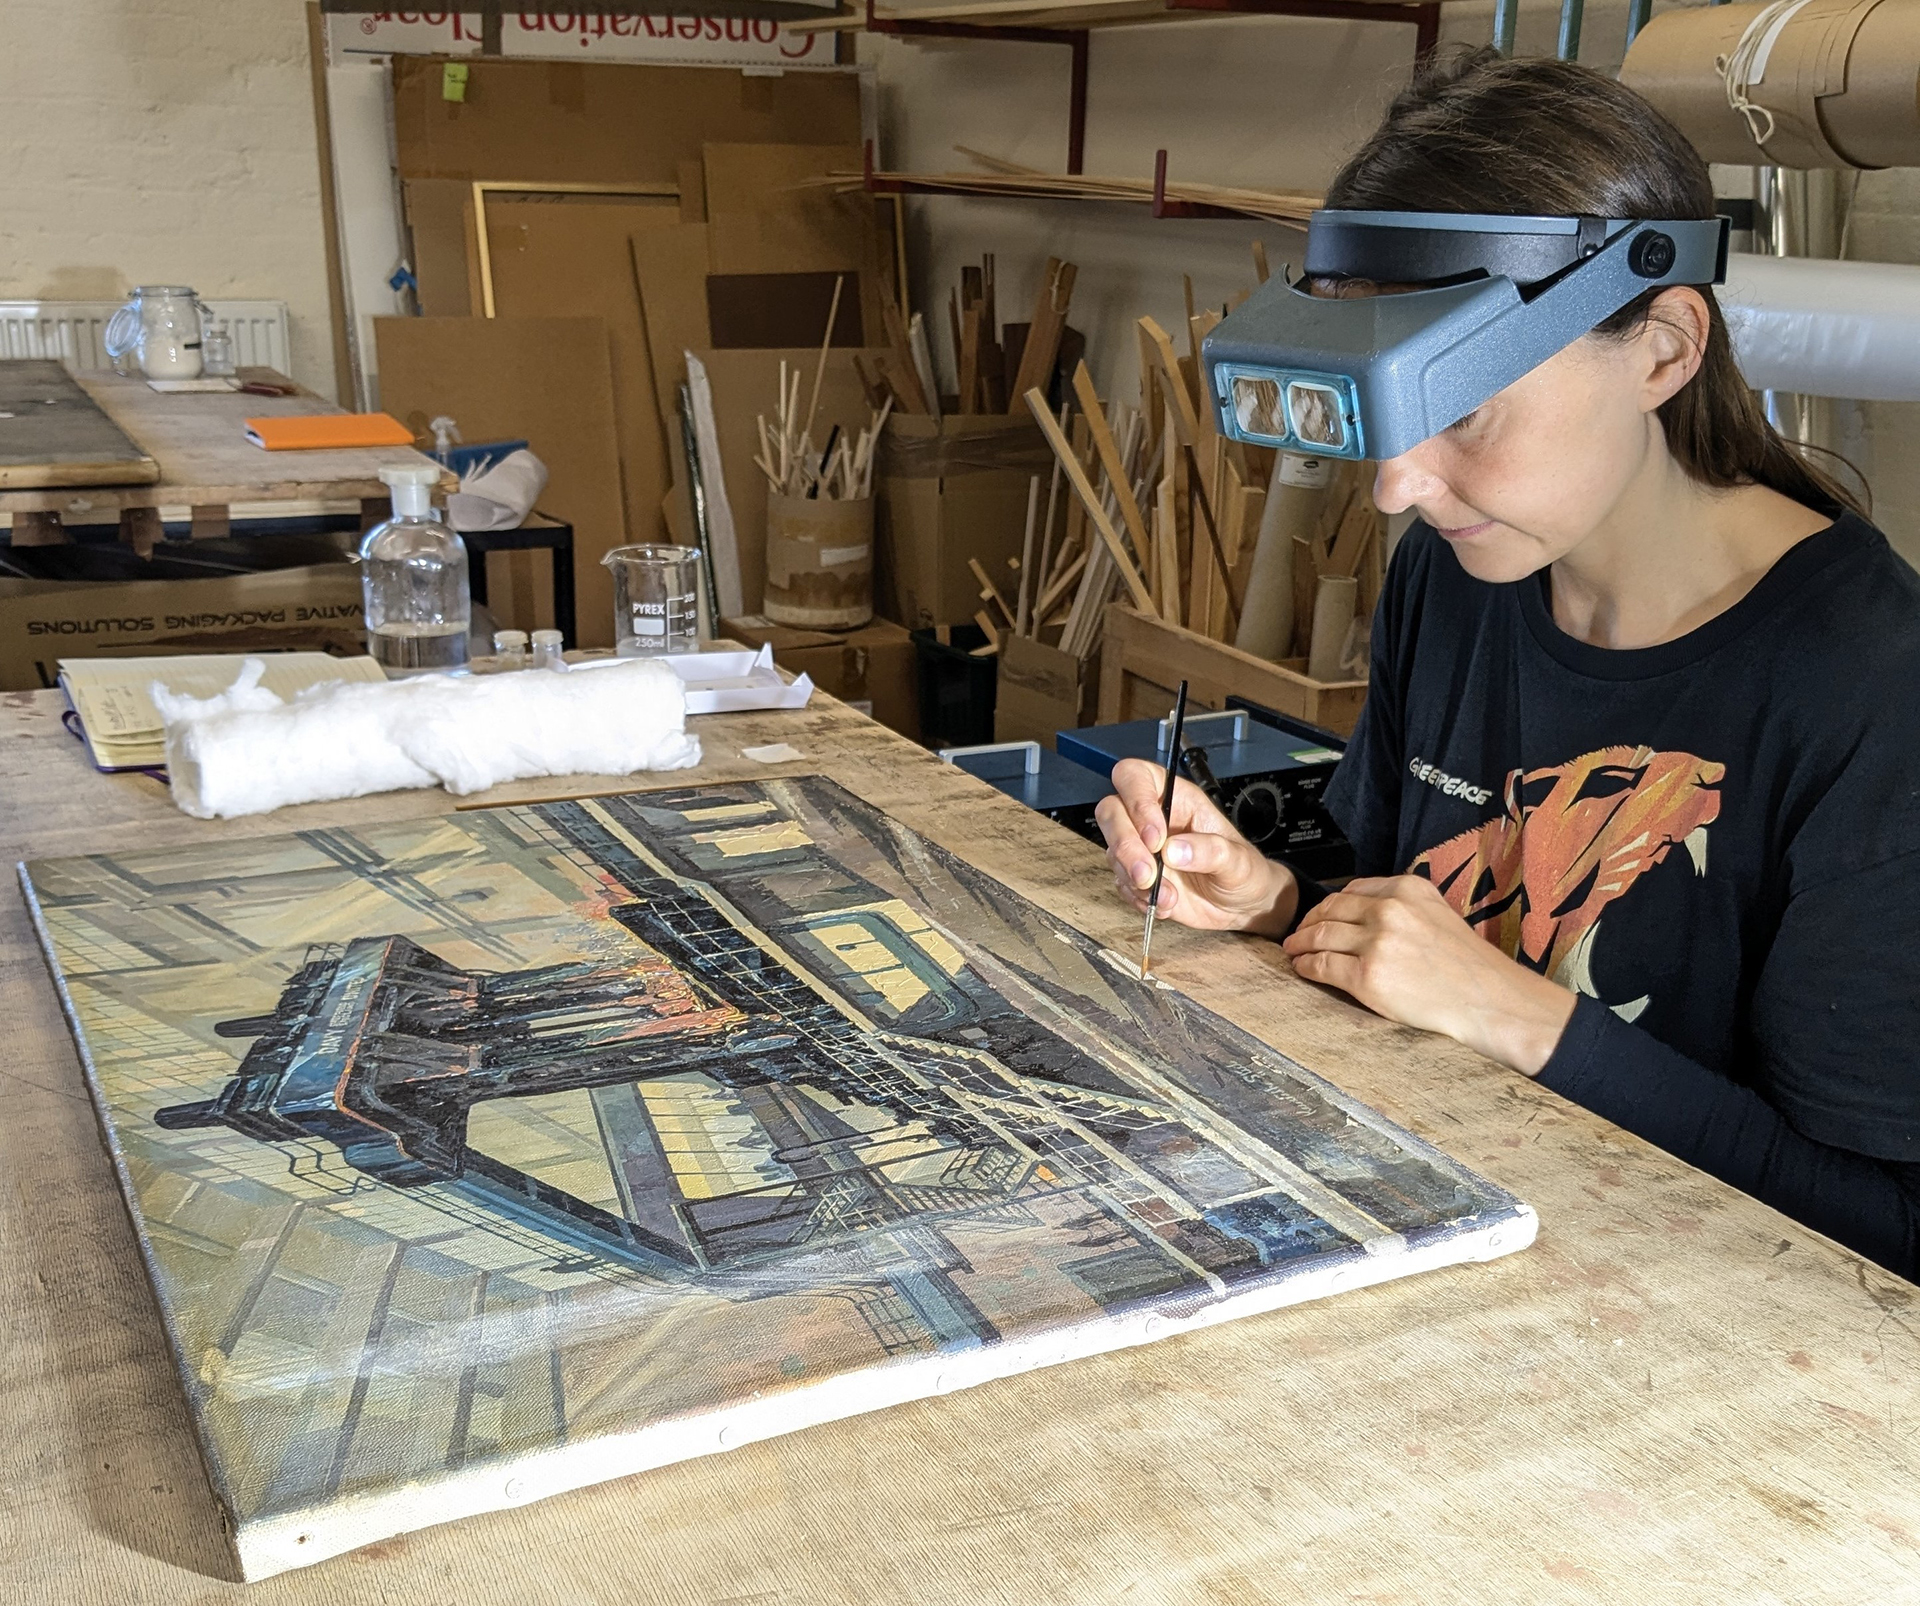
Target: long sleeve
pixel 1633 1080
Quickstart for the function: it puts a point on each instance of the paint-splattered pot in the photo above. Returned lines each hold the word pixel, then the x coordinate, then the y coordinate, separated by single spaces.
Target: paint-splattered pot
pixel 819 561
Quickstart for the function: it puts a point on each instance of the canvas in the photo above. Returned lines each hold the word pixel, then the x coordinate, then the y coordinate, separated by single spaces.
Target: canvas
pixel 481 1157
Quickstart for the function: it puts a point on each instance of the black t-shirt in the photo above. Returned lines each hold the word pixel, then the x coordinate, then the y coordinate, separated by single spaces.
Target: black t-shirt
pixel 1715 841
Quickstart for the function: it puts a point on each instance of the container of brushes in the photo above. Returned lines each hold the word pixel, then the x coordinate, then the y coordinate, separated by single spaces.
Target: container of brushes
pixel 819 561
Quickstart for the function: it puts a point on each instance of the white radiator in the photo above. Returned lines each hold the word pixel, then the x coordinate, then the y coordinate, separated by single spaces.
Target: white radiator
pixel 74 331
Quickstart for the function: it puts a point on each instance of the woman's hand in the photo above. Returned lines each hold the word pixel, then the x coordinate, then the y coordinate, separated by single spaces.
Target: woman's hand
pixel 1216 879
pixel 1397 946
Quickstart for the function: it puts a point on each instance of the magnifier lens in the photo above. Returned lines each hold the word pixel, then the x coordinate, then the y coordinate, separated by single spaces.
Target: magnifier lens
pixel 1256 407
pixel 1317 416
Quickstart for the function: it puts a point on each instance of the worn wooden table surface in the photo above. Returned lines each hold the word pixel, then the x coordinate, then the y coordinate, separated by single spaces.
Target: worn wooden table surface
pixel 199 440
pixel 1675 1395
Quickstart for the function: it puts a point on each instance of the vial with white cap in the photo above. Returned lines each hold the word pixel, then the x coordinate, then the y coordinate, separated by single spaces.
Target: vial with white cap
pixel 413 577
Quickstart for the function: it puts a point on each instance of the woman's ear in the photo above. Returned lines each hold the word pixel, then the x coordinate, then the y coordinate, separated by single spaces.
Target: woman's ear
pixel 1673 343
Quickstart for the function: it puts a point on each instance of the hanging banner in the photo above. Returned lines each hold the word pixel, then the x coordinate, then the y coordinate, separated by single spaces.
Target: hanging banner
pixel 595 36
pixel 402 33
pixel 580 36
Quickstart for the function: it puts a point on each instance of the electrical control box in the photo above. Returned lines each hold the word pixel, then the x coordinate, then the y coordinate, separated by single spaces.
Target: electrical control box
pixel 1266 773
pixel 1065 792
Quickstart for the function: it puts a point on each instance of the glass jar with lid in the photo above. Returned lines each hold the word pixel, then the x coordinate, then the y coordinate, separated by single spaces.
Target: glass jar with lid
pixel 160 329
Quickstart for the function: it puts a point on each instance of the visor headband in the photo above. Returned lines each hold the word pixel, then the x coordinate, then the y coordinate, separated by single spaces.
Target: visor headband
pixel 1416 248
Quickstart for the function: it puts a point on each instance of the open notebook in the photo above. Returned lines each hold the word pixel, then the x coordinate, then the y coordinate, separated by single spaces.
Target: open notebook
pixel 113 696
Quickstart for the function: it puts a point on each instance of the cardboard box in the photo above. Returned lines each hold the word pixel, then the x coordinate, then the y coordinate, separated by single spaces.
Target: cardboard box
pixel 1042 690
pixel 313 608
pixel 874 664
pixel 946 491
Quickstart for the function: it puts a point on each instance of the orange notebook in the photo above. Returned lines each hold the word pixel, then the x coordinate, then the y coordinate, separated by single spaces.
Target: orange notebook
pixel 325 431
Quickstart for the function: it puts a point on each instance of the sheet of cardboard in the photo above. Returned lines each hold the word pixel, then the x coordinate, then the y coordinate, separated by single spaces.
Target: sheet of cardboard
pixel 548 381
pixel 670 268
pixel 315 607
pixel 439 213
pixel 745 385
pixel 609 122
pixel 765 216
pixel 569 254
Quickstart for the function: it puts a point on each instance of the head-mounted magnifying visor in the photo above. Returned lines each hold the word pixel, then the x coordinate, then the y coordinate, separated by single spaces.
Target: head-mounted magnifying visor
pixel 1374 375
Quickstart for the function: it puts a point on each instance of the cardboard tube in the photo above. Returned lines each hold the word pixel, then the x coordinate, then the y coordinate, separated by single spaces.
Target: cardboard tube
pixel 1840 82
pixel 1295 497
pixel 1334 600
pixel 819 562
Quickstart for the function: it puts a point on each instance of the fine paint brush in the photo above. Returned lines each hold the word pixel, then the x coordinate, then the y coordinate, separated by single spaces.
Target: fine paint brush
pixel 1166 814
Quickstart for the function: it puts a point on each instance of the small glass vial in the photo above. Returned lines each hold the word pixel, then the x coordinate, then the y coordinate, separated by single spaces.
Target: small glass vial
pixel 413 581
pixel 216 352
pixel 547 650
pixel 509 650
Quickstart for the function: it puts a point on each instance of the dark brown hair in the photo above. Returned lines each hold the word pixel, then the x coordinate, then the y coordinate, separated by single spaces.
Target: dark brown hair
pixel 1478 132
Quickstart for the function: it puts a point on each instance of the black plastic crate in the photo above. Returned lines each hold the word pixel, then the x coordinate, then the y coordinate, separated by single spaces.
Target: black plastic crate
pixel 957 690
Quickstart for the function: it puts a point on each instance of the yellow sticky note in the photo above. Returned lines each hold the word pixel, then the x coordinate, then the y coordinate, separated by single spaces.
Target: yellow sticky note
pixel 453 81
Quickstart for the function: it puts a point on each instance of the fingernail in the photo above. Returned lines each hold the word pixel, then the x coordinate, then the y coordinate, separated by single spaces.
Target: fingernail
pixel 1179 853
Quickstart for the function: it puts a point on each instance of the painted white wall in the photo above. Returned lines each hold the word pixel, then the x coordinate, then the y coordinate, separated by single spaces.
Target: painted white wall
pixel 164 141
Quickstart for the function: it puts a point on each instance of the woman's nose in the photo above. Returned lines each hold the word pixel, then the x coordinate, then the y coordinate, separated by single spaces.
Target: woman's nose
pixel 1402 482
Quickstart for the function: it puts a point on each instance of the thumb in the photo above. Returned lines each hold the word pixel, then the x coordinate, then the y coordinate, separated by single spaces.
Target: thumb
pixel 1201 853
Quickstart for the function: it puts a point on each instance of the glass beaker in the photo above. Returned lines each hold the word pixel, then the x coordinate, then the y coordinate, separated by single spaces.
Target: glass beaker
pixel 160 328
pixel 655 599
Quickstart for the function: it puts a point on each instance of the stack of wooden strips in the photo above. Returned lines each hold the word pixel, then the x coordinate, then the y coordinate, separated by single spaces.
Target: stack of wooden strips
pixel 1274 206
pixel 900 378
pixel 844 470
pixel 1172 511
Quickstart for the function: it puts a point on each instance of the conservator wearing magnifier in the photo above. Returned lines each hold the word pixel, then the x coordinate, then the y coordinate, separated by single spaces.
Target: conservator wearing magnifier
pixel 1636 795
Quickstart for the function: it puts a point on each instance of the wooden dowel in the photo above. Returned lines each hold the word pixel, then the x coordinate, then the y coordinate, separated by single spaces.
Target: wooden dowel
pixel 1026 557
pixel 1113 463
pixel 820 368
pixel 1089 499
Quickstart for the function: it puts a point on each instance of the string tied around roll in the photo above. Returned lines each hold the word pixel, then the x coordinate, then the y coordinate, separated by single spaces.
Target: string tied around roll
pixel 1746 64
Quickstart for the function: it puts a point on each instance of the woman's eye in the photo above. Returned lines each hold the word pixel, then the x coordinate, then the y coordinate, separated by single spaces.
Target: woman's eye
pixel 1460 425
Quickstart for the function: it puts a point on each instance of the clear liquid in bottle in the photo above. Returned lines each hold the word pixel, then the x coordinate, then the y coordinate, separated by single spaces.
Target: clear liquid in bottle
pixel 413 572
pixel 401 647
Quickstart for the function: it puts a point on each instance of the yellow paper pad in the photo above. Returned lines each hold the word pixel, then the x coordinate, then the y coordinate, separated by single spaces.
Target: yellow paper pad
pixel 113 696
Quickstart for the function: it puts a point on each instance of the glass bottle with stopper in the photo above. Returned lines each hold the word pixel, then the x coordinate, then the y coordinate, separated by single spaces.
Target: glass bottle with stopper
pixel 413 577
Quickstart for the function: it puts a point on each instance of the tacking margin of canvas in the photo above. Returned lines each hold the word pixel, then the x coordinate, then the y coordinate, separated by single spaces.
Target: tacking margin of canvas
pixel 265 1547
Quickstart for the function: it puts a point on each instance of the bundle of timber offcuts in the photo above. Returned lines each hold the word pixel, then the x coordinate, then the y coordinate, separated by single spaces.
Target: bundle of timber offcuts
pixel 1818 83
pixel 955 508
pixel 819 507
pixel 1278 554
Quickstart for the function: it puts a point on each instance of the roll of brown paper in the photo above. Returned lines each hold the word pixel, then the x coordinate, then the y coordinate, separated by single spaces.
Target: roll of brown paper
pixel 819 562
pixel 1827 83
pixel 1298 492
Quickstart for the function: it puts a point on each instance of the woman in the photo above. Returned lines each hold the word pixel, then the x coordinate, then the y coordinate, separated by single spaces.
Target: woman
pixel 1635 799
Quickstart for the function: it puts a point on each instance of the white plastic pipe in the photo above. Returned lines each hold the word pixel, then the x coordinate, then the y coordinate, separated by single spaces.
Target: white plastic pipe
pixel 1823 328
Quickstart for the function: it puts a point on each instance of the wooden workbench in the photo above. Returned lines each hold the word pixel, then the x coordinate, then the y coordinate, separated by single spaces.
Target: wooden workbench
pixel 1675 1395
pixel 206 462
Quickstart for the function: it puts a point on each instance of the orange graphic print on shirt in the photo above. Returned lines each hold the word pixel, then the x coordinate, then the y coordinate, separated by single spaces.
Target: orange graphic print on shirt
pixel 1569 840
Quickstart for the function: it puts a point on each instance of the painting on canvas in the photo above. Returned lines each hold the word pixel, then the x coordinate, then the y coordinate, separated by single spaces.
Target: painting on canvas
pixel 481 1157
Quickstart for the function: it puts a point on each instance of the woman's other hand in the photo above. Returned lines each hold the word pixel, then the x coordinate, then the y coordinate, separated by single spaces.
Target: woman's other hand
pixel 1398 947
pixel 1216 880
